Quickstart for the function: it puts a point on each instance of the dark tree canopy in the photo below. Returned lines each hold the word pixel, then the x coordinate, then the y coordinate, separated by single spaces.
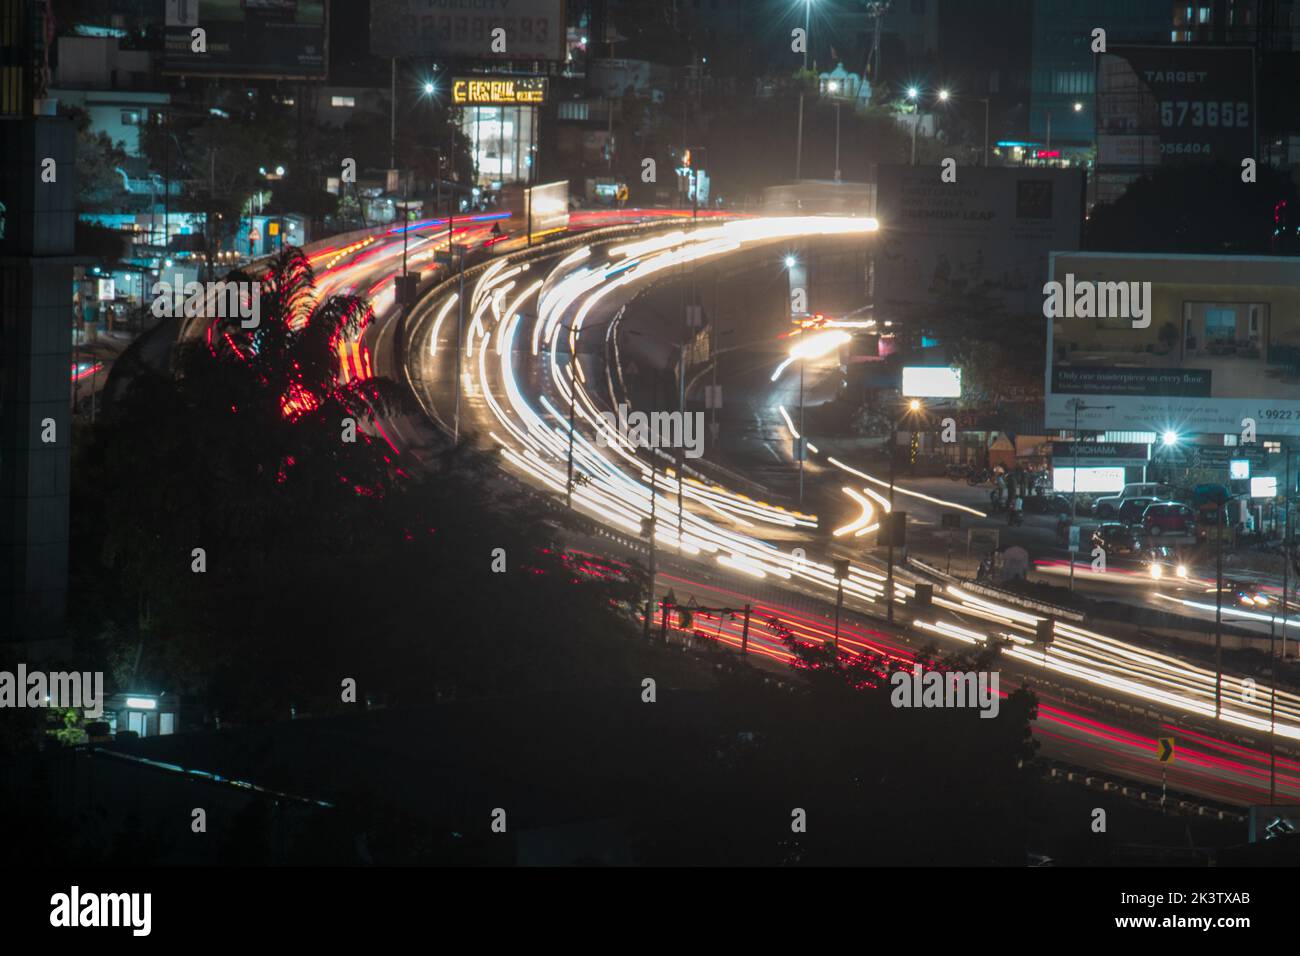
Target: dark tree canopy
pixel 1200 209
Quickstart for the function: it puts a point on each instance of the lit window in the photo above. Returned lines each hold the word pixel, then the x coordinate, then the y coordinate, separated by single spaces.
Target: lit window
pixel 346 102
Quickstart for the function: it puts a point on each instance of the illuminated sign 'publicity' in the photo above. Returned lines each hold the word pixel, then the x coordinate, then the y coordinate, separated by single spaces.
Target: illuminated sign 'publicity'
pixel 517 91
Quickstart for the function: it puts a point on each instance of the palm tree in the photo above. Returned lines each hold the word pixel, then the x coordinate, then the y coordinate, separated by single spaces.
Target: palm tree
pixel 291 364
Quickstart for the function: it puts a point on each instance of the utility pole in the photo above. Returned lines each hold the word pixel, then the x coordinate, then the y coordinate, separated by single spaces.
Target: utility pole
pixel 681 450
pixel 650 600
pixel 889 574
pixel 1219 517
pixel 1286 544
pixel 392 114
pixel 573 404
pixel 1272 711
pixel 841 572
pixel 460 308
pixel 890 519
pixel 916 121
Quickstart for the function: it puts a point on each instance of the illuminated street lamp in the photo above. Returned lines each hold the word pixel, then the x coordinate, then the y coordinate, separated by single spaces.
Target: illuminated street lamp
pixel 914 94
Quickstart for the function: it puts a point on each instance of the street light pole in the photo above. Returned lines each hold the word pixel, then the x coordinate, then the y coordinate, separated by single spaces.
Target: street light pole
pixel 1272 712
pixel 1219 518
pixel 889 573
pixel 802 443
pixel 837 140
pixel 1074 491
pixel 916 121
pixel 798 149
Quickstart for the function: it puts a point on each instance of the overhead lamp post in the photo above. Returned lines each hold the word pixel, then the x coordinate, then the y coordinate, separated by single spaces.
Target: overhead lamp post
pixel 914 94
pixel 834 88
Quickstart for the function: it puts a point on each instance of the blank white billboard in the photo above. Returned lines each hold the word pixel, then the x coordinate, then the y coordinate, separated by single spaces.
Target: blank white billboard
pixel 1091 480
pixel 931 382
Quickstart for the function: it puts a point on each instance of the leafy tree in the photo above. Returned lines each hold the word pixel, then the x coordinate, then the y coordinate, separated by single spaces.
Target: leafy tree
pixel 99 160
pixel 326 559
pixel 879 784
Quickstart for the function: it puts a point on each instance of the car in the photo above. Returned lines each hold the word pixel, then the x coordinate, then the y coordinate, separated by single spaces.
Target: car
pixel 1131 511
pixel 1047 505
pixel 1245 594
pixel 1165 562
pixel 1168 517
pixel 1115 537
pixel 1108 506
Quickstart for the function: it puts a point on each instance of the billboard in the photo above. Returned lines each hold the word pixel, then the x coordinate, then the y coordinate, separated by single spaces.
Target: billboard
pixel 1092 454
pixel 923 381
pixel 276 39
pixel 1170 104
pixel 498 91
pixel 991 231
pixel 1217 343
pixel 462 29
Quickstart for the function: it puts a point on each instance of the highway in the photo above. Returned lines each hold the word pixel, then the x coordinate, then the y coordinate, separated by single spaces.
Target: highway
pixel 525 315
pixel 537 330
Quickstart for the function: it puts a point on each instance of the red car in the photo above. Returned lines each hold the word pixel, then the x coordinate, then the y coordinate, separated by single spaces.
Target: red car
pixel 1168 517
